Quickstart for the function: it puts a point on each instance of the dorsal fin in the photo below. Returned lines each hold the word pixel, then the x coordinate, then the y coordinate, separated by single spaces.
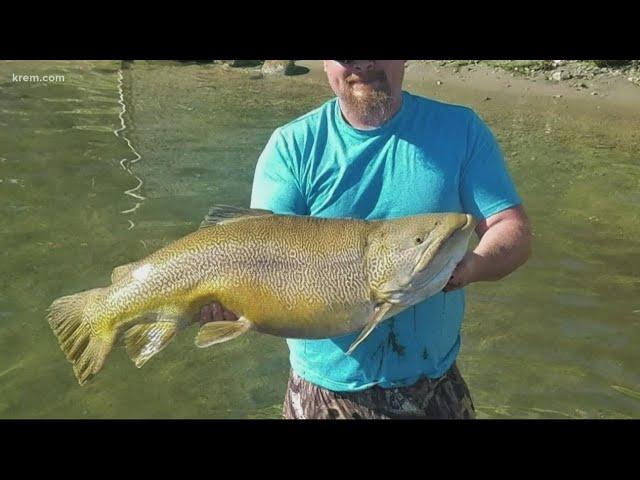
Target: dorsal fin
pixel 121 271
pixel 221 214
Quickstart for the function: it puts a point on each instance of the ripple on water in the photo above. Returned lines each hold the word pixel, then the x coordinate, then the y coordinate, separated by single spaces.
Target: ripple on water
pixel 576 300
pixel 627 391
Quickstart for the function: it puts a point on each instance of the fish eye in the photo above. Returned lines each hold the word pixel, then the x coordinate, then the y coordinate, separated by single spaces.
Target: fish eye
pixel 418 240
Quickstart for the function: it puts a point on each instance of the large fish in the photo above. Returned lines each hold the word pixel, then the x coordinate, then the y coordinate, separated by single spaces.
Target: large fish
pixel 285 275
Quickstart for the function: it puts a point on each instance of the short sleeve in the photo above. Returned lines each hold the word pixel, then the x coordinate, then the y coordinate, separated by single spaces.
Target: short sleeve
pixel 486 187
pixel 275 187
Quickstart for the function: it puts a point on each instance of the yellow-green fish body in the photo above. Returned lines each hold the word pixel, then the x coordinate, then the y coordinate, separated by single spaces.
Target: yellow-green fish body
pixel 285 275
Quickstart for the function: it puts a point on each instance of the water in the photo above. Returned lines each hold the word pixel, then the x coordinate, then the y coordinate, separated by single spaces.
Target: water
pixel 557 339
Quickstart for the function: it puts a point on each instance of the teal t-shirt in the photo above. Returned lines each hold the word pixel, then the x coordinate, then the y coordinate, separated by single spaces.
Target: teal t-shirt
pixel 430 157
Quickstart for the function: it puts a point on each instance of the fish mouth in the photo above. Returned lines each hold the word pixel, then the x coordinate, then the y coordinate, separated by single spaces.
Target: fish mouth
pixel 463 231
pixel 459 234
pixel 469 225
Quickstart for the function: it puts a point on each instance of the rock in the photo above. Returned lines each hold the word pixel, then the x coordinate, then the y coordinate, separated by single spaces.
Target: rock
pixel 558 63
pixel 611 63
pixel 487 98
pixel 560 75
pixel 278 67
pixel 241 63
pixel 438 83
pixel 594 93
pixel 557 96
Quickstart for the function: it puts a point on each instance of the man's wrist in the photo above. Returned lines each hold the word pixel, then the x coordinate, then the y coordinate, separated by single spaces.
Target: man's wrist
pixel 474 268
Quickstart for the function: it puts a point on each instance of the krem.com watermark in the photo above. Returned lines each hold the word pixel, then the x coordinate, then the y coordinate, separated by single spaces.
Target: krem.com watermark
pixel 38 78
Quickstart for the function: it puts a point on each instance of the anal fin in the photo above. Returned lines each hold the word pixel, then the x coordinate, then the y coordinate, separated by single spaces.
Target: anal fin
pixel 145 340
pixel 221 331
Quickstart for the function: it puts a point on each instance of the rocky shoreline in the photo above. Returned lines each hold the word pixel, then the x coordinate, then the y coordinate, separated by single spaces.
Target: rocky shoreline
pixel 575 72
pixel 597 85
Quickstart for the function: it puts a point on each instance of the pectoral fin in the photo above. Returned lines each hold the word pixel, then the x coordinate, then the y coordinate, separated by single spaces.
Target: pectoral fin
pixel 221 331
pixel 378 316
pixel 145 340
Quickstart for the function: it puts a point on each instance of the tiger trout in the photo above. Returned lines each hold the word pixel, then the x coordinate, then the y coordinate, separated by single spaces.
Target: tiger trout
pixel 285 275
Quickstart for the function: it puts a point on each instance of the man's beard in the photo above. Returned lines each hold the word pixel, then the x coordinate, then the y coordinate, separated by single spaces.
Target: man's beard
pixel 372 104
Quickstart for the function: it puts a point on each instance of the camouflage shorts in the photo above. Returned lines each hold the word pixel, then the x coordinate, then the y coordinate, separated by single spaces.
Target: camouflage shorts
pixel 446 397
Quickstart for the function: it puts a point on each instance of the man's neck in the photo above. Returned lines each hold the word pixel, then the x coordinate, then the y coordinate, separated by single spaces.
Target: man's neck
pixel 362 122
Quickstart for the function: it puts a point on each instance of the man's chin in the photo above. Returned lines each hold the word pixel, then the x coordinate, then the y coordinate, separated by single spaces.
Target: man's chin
pixel 365 86
pixel 364 92
pixel 362 95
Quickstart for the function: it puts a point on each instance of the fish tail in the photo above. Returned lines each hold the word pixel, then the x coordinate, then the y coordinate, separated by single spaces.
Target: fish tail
pixel 70 319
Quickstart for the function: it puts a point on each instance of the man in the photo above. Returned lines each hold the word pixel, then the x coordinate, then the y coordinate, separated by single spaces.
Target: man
pixel 376 151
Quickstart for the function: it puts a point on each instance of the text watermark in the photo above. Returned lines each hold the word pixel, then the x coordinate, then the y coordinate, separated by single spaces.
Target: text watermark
pixel 38 78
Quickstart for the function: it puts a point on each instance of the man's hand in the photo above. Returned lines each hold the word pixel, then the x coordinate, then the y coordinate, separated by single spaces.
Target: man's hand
pixel 505 244
pixel 463 274
pixel 215 312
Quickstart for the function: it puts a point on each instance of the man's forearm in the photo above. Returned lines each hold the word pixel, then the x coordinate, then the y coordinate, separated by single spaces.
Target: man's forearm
pixel 503 248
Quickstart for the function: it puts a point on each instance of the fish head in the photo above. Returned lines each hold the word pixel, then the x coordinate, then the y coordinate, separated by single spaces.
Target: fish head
pixel 412 258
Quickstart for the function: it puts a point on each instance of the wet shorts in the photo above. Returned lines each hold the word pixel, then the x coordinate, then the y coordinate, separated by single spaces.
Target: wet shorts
pixel 446 397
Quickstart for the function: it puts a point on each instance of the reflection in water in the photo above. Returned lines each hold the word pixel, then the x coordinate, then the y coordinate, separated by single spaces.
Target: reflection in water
pixel 126 163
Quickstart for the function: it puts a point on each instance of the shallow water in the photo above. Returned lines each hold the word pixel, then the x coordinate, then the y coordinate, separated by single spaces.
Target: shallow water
pixel 557 339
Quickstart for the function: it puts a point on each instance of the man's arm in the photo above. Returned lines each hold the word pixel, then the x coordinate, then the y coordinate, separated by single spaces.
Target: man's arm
pixel 505 244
